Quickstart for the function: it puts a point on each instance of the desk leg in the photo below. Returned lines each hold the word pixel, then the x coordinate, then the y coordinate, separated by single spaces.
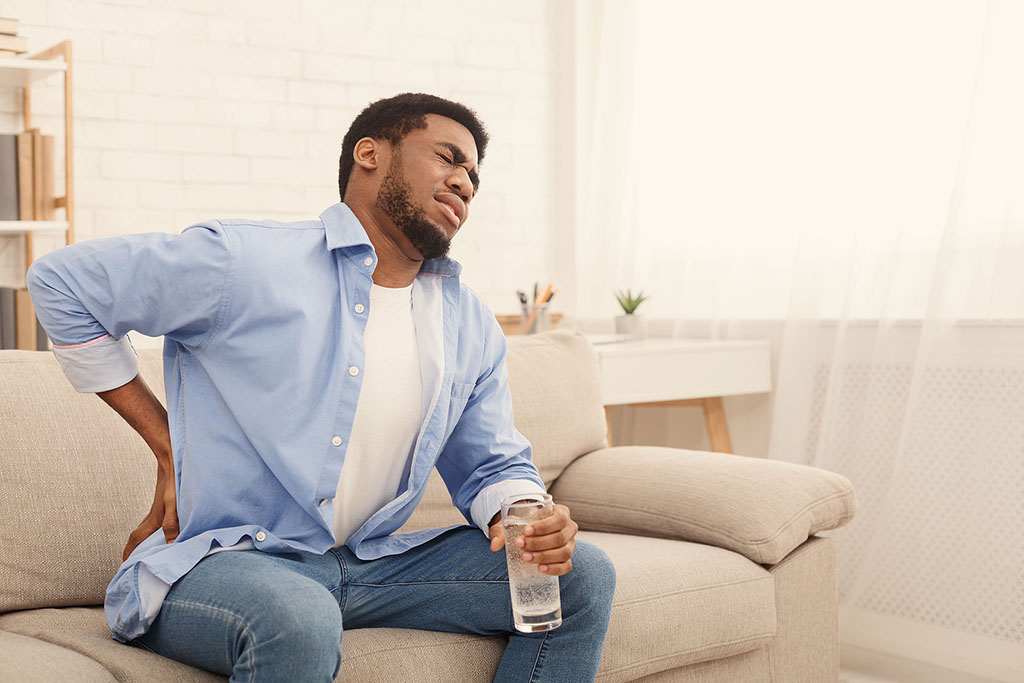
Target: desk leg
pixel 718 431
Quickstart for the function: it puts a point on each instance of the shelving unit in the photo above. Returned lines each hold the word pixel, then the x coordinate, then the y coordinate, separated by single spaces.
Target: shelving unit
pixel 22 73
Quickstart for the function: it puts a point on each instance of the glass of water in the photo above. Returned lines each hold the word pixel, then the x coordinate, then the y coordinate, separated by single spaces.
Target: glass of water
pixel 536 603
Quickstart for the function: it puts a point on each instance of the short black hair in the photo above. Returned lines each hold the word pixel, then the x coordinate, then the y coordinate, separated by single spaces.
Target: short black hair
pixel 395 117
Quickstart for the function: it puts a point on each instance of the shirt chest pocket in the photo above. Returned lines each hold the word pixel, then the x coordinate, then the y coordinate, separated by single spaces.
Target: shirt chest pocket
pixel 460 396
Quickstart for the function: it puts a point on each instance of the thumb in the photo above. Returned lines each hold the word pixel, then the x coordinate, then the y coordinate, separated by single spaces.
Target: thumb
pixel 497 535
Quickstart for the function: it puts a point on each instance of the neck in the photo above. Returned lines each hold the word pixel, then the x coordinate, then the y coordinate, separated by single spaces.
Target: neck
pixel 395 268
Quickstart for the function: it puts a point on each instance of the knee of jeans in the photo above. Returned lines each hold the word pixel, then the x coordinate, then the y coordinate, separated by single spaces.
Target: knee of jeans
pixel 594 571
pixel 310 622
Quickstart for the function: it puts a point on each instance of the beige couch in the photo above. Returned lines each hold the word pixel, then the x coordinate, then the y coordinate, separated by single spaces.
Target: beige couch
pixel 720 574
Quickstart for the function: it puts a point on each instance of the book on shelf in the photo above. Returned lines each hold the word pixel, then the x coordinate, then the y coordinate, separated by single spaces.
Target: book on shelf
pixel 11 44
pixel 16 44
pixel 36 168
pixel 9 178
pixel 8 329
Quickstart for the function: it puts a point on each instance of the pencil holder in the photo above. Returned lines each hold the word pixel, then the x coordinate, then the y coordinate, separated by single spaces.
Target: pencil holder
pixel 536 318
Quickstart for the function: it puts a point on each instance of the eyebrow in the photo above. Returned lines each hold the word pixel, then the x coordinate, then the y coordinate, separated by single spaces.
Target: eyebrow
pixel 459 157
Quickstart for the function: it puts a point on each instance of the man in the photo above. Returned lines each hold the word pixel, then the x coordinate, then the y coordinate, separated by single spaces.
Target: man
pixel 316 372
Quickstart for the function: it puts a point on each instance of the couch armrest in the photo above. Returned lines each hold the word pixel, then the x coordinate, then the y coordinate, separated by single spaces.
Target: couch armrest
pixel 761 509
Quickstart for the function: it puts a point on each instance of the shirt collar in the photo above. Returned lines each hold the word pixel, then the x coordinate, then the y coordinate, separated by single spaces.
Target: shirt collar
pixel 344 230
pixel 342 227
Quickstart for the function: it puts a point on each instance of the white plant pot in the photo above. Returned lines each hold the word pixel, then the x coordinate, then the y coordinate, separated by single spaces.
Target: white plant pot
pixel 633 325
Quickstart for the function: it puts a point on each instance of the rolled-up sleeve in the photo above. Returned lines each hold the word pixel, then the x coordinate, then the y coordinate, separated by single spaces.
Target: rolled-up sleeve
pixel 486 458
pixel 89 295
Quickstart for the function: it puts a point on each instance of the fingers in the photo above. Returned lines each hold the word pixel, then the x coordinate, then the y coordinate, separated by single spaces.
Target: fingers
pixel 550 542
pixel 559 519
pixel 554 556
pixel 170 517
pixel 555 531
pixel 497 534
pixel 170 526
pixel 139 535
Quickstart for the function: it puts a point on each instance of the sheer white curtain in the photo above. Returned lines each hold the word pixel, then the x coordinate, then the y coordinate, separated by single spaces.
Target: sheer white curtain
pixel 847 179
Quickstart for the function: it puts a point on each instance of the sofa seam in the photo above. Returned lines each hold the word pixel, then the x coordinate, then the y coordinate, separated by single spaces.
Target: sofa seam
pixel 388 650
pixel 760 542
pixel 683 591
pixel 688 652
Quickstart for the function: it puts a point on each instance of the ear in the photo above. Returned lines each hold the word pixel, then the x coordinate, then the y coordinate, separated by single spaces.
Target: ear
pixel 367 154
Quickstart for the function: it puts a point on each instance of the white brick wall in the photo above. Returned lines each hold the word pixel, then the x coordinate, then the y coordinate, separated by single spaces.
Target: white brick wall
pixel 186 110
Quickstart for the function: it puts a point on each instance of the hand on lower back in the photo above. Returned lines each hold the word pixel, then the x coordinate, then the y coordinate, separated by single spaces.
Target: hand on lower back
pixel 163 514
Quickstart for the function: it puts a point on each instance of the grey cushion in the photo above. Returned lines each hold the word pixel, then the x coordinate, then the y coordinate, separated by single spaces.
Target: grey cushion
pixel 30 660
pixel 680 603
pixel 555 381
pixel 75 476
pixel 762 509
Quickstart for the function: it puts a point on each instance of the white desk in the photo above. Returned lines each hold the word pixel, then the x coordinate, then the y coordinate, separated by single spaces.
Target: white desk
pixel 684 372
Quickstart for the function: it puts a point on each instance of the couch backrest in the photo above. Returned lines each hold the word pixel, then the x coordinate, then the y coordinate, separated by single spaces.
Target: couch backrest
pixel 75 479
pixel 556 397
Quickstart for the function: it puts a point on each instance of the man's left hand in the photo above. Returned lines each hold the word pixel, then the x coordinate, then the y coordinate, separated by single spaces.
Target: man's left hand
pixel 549 542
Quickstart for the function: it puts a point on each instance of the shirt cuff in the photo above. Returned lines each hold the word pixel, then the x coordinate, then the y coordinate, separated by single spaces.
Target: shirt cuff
pixel 100 365
pixel 488 502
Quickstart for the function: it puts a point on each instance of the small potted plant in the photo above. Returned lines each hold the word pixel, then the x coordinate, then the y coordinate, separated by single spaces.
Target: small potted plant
pixel 630 323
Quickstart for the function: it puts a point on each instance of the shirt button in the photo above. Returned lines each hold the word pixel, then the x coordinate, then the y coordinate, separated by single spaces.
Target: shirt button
pixel 260 536
pixel 353 371
pixel 359 308
pixel 367 261
pixel 336 441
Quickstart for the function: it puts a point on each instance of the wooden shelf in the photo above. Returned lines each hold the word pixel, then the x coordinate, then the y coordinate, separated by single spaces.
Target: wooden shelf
pixel 26 227
pixel 21 72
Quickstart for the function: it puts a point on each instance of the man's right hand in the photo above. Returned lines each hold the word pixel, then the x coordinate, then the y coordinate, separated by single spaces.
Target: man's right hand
pixel 163 514
pixel 141 409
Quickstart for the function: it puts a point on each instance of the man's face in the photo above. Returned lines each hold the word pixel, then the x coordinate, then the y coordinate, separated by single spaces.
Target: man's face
pixel 430 182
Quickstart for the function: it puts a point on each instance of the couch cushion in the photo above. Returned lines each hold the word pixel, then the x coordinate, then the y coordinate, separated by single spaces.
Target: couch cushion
pixel 555 381
pixel 75 481
pixel 675 604
pixel 378 655
pixel 679 603
pixel 29 660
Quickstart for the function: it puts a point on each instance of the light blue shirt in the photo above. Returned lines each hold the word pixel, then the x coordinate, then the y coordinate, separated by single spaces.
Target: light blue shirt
pixel 263 353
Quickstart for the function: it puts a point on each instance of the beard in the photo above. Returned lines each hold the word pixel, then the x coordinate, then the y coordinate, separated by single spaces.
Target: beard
pixel 429 238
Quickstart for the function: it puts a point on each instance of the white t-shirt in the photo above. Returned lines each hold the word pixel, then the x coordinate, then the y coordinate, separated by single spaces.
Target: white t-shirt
pixel 388 415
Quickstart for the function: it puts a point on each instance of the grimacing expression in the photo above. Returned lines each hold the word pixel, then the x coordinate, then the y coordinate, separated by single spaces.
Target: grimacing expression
pixel 429 184
pixel 429 238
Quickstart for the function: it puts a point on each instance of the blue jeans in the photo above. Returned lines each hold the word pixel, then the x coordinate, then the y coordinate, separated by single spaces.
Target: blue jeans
pixel 256 616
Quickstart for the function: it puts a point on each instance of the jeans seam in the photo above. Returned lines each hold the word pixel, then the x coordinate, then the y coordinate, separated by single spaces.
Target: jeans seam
pixel 540 658
pixel 427 583
pixel 245 630
pixel 343 596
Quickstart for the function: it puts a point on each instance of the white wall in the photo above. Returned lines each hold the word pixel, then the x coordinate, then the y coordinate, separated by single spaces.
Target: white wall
pixel 192 109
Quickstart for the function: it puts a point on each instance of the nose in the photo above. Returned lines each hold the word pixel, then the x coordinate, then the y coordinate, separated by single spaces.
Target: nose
pixel 459 183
